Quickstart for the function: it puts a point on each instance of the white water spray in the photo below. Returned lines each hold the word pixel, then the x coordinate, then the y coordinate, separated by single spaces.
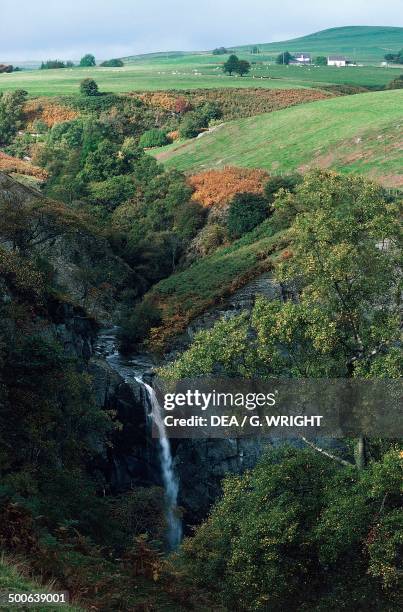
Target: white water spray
pixel 170 481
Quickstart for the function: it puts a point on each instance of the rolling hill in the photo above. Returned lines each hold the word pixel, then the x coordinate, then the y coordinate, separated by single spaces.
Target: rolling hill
pixel 360 43
pixel 361 133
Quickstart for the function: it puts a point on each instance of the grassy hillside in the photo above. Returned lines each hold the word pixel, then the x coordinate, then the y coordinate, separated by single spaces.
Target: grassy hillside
pixel 361 43
pixel 186 294
pixel 361 133
pixel 13 579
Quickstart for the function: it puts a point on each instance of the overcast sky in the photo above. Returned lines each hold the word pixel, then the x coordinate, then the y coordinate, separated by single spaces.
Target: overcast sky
pixel 43 29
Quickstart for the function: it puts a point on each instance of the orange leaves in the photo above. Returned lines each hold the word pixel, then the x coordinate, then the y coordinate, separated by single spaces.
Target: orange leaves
pixel 218 187
pixel 160 99
pixel 14 164
pixel 47 111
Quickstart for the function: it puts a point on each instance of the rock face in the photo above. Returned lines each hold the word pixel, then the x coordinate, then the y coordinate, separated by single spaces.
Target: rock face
pixel 202 464
pixel 83 264
pixel 132 459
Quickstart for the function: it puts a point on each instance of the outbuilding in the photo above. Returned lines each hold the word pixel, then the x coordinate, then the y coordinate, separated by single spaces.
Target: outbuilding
pixel 337 60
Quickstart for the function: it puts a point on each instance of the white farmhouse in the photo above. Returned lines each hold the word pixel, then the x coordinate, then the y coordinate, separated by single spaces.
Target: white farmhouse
pixel 337 60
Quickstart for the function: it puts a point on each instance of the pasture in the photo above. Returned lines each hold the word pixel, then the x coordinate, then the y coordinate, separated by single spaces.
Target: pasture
pixel 361 133
pixel 192 72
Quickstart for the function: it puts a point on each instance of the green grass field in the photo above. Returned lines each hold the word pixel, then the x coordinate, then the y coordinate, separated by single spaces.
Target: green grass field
pixel 366 44
pixel 193 72
pixel 361 133
pixel 142 76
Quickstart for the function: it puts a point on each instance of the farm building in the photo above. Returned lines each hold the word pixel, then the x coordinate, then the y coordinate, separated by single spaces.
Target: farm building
pixel 337 60
pixel 301 58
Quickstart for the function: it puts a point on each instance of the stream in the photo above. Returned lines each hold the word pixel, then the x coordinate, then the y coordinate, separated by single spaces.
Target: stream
pixel 131 369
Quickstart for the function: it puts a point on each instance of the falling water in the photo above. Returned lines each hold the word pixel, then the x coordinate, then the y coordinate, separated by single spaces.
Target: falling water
pixel 171 485
pixel 132 369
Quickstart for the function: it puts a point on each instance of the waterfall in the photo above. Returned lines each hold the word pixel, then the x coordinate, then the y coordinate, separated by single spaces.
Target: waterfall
pixel 169 479
pixel 131 369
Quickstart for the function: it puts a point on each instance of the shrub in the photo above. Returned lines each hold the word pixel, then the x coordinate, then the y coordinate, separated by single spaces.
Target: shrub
pixel 153 138
pixel 135 327
pixel 88 87
pixel 216 188
pixel 182 106
pixel 211 111
pixel 52 64
pixel 113 191
pixel 246 211
pixel 275 183
pixel 192 124
pixel 209 239
pixel 113 63
pixel 396 83
pixel 321 60
pixel 300 533
pixel 220 51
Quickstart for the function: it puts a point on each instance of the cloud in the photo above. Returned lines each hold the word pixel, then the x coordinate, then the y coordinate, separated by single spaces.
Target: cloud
pixel 44 28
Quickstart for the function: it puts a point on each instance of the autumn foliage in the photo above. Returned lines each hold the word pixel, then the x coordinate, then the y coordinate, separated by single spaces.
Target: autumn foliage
pixel 14 164
pixel 218 187
pixel 47 111
pixel 234 103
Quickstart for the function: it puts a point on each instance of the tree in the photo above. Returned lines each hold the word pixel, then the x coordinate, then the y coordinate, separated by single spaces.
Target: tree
pixel 11 113
pixel 284 58
pixel 87 60
pixel 299 532
pixel 231 65
pixel 192 124
pixel 396 83
pixel 344 257
pixel 88 87
pixel 220 51
pixel 321 60
pixel 243 67
pixel 395 58
pixel 153 138
pixel 113 63
pixel 52 64
pixel 246 211
pixel 275 183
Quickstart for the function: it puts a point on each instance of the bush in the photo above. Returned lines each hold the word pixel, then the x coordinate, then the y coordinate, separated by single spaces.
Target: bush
pixel 113 63
pixel 275 183
pixel 153 138
pixel 88 87
pixel 210 111
pixel 300 533
pixel 209 239
pixel 192 124
pixel 52 64
pixel 135 327
pixel 246 211
pixel 396 83
pixel 220 51
pixel 321 60
pixel 113 191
